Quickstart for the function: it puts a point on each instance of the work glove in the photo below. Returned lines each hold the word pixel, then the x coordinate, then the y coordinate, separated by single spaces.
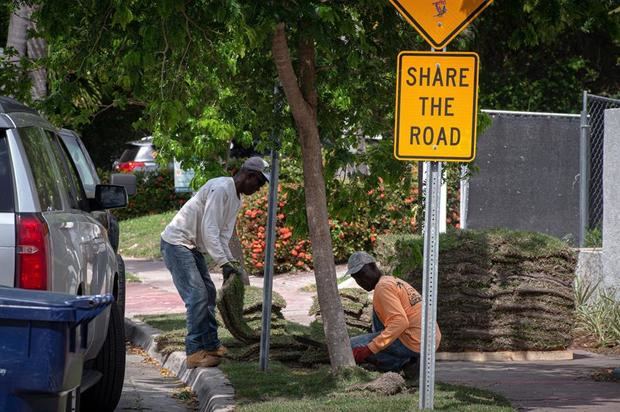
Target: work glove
pixel 232 268
pixel 360 353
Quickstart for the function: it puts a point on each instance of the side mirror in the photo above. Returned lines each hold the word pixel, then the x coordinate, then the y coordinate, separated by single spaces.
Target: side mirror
pixel 110 196
pixel 125 179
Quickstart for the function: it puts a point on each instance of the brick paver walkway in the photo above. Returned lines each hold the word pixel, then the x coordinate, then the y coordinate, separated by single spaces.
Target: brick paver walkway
pixel 157 294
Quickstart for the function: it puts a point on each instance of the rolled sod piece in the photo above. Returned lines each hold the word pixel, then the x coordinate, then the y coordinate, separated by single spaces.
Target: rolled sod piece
pixel 230 305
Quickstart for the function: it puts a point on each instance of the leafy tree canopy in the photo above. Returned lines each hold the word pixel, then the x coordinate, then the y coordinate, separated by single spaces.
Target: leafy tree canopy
pixel 203 71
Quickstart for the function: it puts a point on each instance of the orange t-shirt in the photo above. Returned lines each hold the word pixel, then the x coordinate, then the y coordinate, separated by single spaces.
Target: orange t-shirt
pixel 399 307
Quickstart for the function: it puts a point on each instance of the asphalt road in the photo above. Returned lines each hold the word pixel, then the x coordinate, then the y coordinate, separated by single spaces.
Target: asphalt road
pixel 147 389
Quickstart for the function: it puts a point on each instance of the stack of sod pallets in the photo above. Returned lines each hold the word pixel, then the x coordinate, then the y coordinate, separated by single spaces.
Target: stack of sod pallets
pixel 499 290
pixel 357 309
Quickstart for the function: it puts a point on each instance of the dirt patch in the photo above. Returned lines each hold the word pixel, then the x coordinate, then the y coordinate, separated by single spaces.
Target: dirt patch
pixel 606 375
pixel 584 341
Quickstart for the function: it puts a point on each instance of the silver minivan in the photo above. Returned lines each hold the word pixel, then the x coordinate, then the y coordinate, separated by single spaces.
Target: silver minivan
pixel 52 238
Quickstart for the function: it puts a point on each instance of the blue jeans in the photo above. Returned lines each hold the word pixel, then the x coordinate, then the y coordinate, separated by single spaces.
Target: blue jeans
pixel 390 359
pixel 191 278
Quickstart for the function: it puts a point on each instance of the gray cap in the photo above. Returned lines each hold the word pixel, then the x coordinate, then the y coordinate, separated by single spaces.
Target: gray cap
pixel 257 164
pixel 357 262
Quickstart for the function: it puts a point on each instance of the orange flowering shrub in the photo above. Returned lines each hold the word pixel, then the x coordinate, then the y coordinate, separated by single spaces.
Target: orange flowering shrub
pixel 289 254
pixel 359 215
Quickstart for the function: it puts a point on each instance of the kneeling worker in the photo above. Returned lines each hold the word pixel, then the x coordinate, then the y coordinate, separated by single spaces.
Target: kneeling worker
pixel 394 344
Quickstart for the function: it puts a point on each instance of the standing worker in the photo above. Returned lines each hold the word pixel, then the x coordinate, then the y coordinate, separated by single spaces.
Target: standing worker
pixel 205 225
pixel 394 344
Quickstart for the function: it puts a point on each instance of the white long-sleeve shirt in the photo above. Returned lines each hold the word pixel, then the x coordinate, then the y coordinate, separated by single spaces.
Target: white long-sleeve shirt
pixel 207 220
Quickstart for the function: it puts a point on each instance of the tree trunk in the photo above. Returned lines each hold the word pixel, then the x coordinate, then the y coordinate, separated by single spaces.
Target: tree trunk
pixel 35 48
pixel 302 99
pixel 18 30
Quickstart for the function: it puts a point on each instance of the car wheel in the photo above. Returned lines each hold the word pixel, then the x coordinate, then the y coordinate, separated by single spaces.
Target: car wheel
pixel 122 280
pixel 104 396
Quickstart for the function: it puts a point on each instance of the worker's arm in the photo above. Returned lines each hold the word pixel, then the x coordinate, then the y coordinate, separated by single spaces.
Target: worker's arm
pixel 395 319
pixel 225 236
pixel 213 222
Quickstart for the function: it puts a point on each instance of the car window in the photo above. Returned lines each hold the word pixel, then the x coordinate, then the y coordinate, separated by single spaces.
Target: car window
pixel 146 154
pixel 45 171
pixel 7 203
pixel 130 153
pixel 75 192
pixel 82 163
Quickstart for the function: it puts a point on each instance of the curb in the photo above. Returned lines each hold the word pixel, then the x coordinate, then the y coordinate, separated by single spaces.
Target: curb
pixel 214 390
pixel 505 356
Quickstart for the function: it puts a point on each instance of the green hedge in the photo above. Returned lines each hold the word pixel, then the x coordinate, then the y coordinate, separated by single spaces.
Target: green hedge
pixel 154 194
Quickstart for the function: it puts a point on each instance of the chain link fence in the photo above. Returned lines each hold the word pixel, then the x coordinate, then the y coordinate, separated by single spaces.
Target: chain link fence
pixel 593 131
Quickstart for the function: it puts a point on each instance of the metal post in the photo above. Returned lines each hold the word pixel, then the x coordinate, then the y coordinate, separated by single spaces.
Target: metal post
pixel 584 168
pixel 269 253
pixel 429 292
pixel 464 197
pixel 443 208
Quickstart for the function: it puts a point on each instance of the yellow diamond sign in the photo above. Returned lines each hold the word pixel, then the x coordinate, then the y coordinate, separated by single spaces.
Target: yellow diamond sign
pixel 439 21
pixel 436 106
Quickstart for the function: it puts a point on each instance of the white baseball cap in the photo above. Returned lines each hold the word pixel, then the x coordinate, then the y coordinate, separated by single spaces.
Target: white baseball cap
pixel 357 261
pixel 257 164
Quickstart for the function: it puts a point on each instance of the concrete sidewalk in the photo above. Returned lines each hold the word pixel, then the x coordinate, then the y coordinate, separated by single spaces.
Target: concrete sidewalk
pixel 529 385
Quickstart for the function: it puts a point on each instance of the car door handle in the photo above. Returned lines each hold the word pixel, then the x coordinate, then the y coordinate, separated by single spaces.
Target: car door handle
pixel 67 225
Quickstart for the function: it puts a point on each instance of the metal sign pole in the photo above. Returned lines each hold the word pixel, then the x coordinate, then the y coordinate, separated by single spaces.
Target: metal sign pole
pixel 432 21
pixel 269 254
pixel 584 168
pixel 429 292
pixel 432 217
pixel 464 197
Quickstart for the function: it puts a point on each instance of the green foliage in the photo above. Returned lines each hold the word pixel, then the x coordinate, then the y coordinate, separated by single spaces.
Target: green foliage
pixel 584 290
pixel 599 316
pixel 203 69
pixel 14 80
pixel 552 51
pixel 108 131
pixel 399 254
pixel 154 194
pixel 361 208
pixel 594 237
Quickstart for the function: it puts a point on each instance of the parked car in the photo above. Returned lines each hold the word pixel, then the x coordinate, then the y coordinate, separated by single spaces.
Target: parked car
pixel 88 175
pixel 138 156
pixel 53 237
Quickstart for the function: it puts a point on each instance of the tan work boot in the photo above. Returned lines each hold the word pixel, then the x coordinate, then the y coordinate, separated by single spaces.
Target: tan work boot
pixel 220 352
pixel 201 359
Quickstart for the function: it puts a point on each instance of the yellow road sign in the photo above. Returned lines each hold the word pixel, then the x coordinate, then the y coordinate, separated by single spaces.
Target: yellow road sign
pixel 436 106
pixel 439 21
